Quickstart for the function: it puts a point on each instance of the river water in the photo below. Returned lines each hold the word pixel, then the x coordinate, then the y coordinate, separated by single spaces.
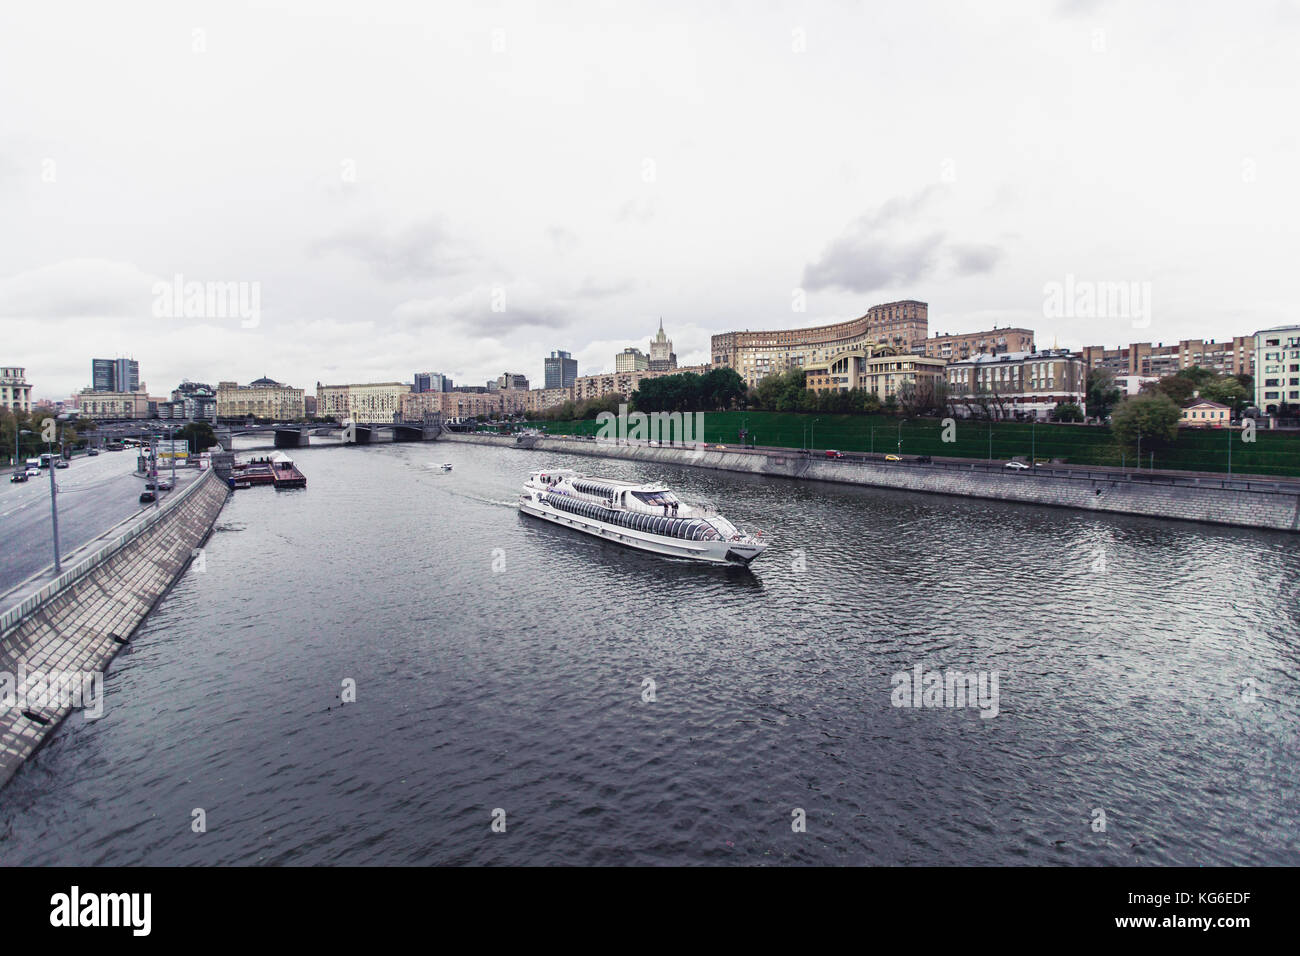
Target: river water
pixel 1147 683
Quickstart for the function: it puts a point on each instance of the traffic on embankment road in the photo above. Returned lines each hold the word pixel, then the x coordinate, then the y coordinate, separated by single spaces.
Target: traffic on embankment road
pixel 1267 504
pixel 94 495
pixel 1242 482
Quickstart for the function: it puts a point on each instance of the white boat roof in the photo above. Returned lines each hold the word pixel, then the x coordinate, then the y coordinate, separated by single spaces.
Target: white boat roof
pixel 612 482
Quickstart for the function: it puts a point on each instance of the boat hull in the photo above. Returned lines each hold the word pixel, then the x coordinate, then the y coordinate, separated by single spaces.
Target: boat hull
pixel 709 552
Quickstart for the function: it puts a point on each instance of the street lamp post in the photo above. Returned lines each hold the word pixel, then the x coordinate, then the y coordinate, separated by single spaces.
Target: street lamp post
pixel 812 443
pixel 153 468
pixel 900 436
pixel 1139 454
pixel 18 431
pixel 1033 445
pixel 54 519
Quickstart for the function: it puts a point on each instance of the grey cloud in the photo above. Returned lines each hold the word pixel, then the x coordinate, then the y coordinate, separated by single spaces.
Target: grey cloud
pixel 881 249
pixel 973 259
pixel 595 289
pixel 417 252
pixel 485 311
pixel 635 210
pixel 863 262
pixel 563 239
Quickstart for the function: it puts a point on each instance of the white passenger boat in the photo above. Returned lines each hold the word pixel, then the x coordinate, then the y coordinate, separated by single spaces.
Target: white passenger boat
pixel 446 466
pixel 645 516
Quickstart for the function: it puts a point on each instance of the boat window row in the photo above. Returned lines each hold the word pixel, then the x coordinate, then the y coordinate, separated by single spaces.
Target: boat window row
pixel 593 488
pixel 692 529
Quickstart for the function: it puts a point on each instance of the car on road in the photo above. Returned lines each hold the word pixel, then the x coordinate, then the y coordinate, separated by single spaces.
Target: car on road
pixel 832 453
pixel 893 458
pixel 60 463
pixel 92 452
pixel 147 497
pixel 18 476
pixel 924 459
pixel 33 472
pixel 1016 466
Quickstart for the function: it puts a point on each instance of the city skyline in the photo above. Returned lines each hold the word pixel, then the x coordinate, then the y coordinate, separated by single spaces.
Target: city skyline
pixel 369 254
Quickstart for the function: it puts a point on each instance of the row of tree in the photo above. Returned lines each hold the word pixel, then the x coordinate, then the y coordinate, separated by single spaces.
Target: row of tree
pixel 1235 391
pixel 716 390
pixel 15 422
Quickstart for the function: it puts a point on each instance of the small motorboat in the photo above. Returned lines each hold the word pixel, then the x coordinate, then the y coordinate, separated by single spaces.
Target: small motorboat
pixel 445 466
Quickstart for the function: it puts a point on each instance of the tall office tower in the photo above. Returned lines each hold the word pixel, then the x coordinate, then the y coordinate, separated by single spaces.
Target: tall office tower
pixel 561 370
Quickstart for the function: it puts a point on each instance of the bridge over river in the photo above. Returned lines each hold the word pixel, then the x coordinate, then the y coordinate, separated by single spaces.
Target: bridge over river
pixel 298 434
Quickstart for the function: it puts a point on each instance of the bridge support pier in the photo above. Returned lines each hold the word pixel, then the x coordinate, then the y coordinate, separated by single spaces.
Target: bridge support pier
pixel 291 438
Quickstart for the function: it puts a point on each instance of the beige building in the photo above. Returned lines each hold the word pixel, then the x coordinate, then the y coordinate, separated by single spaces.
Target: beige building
pixel 955 348
pixel 541 399
pixel 415 405
pixel 111 405
pixel 882 371
pixel 631 360
pixel 15 392
pixel 369 402
pixel 755 355
pixel 586 387
pixel 505 401
pixel 1202 413
pixel 1017 384
pixel 263 398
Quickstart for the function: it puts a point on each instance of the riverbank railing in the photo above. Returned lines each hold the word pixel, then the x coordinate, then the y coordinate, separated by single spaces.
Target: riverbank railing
pixel 16 614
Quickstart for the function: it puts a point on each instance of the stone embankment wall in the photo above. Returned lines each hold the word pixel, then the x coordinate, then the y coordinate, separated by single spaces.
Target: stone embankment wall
pixel 80 621
pixel 1254 504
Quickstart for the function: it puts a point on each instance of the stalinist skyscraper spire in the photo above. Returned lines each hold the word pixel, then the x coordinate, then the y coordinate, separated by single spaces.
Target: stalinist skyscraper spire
pixel 662 358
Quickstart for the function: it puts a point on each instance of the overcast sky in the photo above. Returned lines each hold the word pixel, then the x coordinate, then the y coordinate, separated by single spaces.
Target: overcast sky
pixel 464 187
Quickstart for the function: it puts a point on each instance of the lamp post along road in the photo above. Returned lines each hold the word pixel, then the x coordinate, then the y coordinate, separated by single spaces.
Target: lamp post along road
pixel 18 431
pixel 54 520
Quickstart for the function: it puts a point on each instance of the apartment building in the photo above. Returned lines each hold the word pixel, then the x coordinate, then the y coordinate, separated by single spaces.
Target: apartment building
pixel 884 372
pixel 631 360
pixel 365 402
pixel 15 391
pixel 1277 357
pixel 1235 356
pixel 99 404
pixel 960 346
pixel 1017 384
pixel 262 398
pixel 754 355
